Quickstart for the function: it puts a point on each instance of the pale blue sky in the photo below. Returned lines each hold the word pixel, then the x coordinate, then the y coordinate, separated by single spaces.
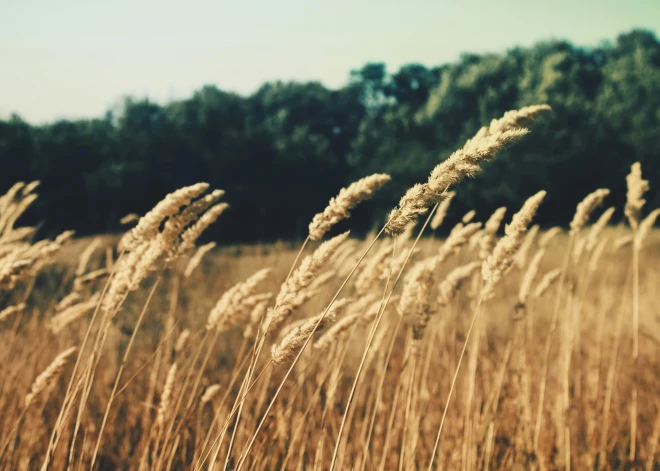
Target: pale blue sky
pixel 77 58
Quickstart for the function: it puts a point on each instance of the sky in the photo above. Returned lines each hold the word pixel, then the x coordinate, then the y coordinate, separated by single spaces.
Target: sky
pixel 78 58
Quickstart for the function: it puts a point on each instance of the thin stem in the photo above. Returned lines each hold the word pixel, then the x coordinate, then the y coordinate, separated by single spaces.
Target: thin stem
pixel 372 333
pixel 453 382
pixel 302 349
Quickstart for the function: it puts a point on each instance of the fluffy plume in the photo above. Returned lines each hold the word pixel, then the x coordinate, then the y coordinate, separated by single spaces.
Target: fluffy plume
pixel 414 203
pixel 415 298
pixel 210 393
pixel 257 313
pixel 501 259
pixel 196 259
pixel 634 198
pixel 80 282
pixel 235 304
pixel 586 207
pixel 333 334
pixel 347 199
pixel 528 278
pixel 465 162
pixel 300 279
pixel 441 212
pixel 129 218
pixel 11 310
pixel 86 255
pixel 597 229
pixel 190 236
pixel 166 397
pixel 453 281
pixel 622 242
pixel 397 263
pixel 490 230
pixel 457 239
pixel 520 258
pixel 548 235
pixel 72 313
pixel 596 254
pixel 287 349
pixel 547 281
pixel 644 228
pixel 469 216
pixel 48 378
pixel 182 341
pixel 374 266
pixel 148 226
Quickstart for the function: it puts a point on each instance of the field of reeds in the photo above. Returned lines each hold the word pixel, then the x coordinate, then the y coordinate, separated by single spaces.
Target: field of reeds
pixel 495 345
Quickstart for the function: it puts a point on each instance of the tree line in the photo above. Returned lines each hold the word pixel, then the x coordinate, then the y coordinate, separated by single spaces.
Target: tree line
pixel 283 151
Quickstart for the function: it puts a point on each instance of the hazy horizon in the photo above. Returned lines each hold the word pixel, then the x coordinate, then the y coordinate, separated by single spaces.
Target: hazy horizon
pixel 78 60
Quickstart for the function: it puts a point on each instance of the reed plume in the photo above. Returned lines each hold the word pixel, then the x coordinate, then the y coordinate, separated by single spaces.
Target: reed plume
pixel 196 259
pixel 441 212
pixel 586 207
pixel 300 279
pixel 287 349
pixel 548 279
pixel 48 378
pixel 452 283
pixel 465 162
pixel 501 259
pixel 634 198
pixel 166 397
pixel 235 304
pixel 348 198
pixel 490 230
pixel 149 224
pixel 11 310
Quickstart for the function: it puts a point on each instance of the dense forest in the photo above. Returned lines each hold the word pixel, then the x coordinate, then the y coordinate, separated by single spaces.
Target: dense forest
pixel 282 152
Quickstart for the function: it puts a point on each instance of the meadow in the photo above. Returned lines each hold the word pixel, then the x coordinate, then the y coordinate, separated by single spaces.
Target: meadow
pixel 441 341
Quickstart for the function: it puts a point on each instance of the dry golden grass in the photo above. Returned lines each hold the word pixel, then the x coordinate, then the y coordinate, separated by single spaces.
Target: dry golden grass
pixel 536 350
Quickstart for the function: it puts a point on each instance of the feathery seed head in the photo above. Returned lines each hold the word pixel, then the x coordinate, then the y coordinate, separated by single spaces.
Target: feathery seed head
pixel 634 198
pixel 586 207
pixel 340 206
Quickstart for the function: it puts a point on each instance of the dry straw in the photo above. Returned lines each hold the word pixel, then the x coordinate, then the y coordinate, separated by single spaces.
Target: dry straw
pixel 347 199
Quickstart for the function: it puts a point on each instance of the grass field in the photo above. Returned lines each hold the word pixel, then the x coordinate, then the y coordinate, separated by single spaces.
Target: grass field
pixel 479 349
